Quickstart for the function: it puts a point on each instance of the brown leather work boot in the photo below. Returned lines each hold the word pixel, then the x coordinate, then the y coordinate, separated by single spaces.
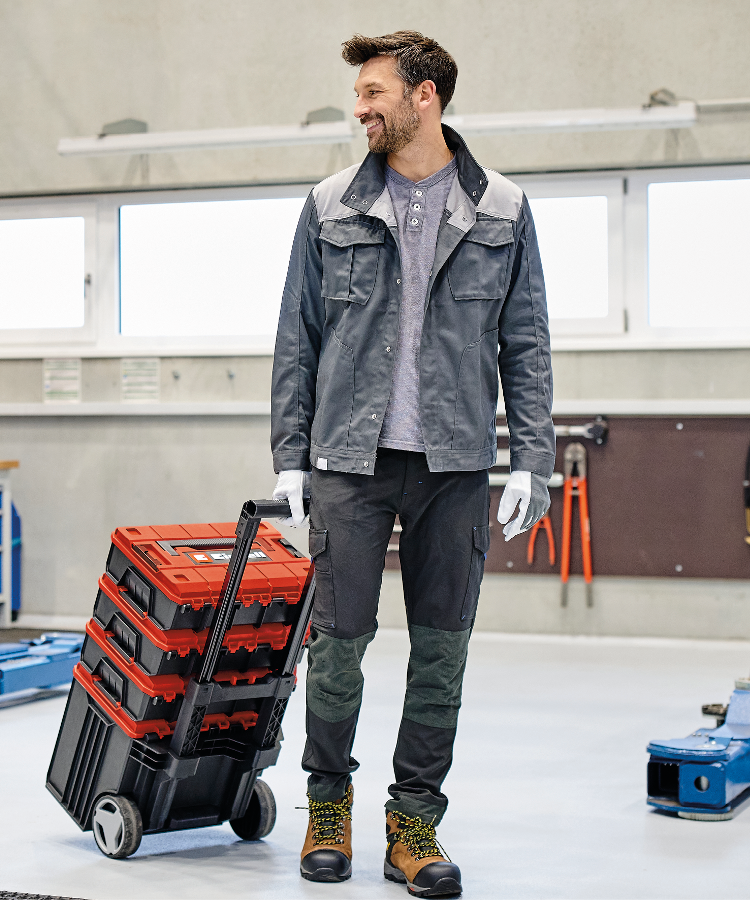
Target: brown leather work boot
pixel 327 852
pixel 414 857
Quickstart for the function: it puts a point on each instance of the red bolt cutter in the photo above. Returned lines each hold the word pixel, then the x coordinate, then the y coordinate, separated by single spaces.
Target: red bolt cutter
pixel 575 485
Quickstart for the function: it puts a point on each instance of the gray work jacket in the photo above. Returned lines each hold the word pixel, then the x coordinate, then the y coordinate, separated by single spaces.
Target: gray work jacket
pixel 338 330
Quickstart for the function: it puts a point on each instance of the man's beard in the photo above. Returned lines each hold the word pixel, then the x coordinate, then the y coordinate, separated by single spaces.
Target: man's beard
pixel 398 132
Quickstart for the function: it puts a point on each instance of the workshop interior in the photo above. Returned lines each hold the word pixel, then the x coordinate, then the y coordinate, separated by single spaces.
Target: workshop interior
pixel 159 607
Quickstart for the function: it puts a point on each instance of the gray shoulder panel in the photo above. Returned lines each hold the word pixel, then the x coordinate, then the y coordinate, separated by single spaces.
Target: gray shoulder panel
pixel 328 193
pixel 502 198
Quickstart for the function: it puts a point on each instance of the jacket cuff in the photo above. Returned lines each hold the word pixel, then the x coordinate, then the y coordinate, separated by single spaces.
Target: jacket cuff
pixel 291 459
pixel 529 461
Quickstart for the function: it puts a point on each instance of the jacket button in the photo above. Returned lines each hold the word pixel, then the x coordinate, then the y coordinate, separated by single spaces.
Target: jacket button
pixel 473 193
pixel 387 349
pixel 354 197
pixel 365 464
pixel 398 281
pixel 373 416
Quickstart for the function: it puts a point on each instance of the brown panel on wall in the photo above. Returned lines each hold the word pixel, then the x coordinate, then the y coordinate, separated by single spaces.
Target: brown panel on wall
pixel 660 497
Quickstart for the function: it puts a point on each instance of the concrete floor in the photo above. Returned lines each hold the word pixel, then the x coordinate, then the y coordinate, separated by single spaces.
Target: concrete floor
pixel 547 789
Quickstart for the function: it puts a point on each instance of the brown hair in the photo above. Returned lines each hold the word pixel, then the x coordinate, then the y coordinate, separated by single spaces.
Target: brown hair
pixel 418 58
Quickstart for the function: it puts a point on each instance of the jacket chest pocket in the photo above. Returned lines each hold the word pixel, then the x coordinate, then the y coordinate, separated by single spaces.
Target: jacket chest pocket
pixel 351 253
pixel 478 266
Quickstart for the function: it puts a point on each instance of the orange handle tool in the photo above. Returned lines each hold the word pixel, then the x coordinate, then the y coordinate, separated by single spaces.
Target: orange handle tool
pixel 583 502
pixel 545 521
pixel 565 551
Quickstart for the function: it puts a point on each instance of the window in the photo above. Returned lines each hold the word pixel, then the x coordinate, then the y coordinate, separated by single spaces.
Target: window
pixel 576 270
pixel 207 268
pixel 633 259
pixel 698 257
pixel 579 228
pixel 47 250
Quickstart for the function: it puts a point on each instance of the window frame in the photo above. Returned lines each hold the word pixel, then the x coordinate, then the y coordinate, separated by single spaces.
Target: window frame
pixel 590 185
pixel 626 328
pixel 637 264
pixel 56 208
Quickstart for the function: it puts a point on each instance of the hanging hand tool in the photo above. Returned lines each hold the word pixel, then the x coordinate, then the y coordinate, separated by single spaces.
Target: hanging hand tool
pixel 544 521
pixel 746 489
pixel 575 485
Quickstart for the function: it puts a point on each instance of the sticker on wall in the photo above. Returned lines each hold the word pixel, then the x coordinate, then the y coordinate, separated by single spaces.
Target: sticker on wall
pixel 140 379
pixel 62 380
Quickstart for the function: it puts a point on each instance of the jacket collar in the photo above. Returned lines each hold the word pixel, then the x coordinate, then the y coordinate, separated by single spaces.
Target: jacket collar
pixel 369 182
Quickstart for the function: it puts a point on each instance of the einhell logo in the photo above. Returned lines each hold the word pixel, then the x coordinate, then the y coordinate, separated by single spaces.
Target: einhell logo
pixel 214 557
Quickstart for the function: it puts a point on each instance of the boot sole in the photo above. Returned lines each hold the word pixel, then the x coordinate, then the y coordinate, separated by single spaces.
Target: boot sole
pixel 445 887
pixel 326 875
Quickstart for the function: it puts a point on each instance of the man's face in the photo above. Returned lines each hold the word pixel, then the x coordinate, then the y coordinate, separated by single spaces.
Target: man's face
pixel 389 116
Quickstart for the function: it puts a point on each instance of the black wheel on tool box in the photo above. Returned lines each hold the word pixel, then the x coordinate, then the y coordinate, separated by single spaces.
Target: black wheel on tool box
pixel 117 826
pixel 260 817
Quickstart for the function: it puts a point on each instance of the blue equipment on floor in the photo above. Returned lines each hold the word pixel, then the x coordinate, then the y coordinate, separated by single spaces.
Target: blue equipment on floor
pixel 705 776
pixel 39 663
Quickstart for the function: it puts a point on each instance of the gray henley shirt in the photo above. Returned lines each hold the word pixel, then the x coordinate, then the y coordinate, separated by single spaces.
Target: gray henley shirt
pixel 418 207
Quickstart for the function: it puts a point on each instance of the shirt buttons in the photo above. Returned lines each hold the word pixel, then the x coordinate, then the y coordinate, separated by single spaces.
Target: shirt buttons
pixel 353 197
pixel 417 207
pixel 473 193
pixel 415 221
pixel 418 193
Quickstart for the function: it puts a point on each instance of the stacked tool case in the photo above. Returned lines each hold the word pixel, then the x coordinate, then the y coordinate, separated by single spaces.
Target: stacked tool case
pixel 185 673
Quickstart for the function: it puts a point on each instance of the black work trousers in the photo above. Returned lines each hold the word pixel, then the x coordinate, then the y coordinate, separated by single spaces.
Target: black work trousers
pixel 444 518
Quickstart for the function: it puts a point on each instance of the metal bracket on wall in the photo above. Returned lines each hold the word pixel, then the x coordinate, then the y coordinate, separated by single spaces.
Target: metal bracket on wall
pixel 596 431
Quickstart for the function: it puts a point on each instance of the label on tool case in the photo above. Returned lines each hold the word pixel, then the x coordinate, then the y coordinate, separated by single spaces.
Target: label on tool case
pixel 223 556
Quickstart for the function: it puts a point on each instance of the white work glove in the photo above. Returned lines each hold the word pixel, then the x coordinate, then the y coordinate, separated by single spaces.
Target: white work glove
pixel 293 485
pixel 530 491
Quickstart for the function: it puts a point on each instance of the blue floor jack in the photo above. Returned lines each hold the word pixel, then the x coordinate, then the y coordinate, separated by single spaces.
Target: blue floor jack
pixel 39 663
pixel 705 776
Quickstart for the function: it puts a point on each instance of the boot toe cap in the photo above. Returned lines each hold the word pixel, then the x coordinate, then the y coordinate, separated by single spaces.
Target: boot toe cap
pixel 438 879
pixel 326 865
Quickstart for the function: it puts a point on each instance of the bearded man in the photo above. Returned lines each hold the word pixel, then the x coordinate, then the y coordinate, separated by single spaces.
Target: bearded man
pixel 414 280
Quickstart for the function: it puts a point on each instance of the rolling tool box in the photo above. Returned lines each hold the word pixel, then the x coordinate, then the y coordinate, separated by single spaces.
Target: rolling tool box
pixel 705 776
pixel 185 674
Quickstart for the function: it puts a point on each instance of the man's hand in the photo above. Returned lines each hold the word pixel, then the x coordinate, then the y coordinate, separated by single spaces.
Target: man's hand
pixel 293 485
pixel 531 492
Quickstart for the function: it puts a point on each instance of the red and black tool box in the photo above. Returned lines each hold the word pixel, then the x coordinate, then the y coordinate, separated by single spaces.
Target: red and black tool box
pixel 169 727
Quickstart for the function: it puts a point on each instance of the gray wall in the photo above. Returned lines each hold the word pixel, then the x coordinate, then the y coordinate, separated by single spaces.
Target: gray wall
pixel 69 66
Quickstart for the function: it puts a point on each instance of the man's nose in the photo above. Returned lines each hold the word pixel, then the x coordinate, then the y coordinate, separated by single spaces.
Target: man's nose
pixel 361 108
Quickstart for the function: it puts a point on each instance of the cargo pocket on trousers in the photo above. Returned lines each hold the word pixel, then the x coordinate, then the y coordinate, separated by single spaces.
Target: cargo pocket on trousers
pixel 324 605
pixel 481 544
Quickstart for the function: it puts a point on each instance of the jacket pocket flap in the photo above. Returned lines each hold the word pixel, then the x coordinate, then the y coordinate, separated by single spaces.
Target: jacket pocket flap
pixel 491 232
pixel 344 233
pixel 482 538
pixel 318 542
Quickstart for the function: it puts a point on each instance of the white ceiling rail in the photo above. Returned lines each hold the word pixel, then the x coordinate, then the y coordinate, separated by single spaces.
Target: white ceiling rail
pixel 207 139
pixel 662 112
pixel 681 115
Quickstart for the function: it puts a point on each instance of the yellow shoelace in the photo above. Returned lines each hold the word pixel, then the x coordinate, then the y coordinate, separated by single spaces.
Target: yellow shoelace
pixel 328 819
pixel 419 838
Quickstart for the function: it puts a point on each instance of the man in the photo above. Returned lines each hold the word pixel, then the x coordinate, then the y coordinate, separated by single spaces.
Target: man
pixel 408 276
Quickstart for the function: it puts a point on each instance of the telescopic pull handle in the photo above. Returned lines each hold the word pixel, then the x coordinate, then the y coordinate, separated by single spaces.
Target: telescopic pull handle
pixel 272 509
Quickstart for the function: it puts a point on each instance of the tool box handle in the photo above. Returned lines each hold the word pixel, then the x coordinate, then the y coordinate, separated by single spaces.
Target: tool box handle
pixel 247 529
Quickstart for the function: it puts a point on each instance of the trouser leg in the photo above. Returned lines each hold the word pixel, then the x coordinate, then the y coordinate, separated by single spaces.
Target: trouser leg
pixel 351 522
pixel 445 536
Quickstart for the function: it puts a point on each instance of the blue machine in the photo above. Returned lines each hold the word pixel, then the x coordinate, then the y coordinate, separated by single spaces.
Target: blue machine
pixel 40 663
pixel 705 776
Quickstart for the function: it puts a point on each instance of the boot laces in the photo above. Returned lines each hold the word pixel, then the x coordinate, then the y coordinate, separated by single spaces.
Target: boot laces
pixel 327 818
pixel 419 838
